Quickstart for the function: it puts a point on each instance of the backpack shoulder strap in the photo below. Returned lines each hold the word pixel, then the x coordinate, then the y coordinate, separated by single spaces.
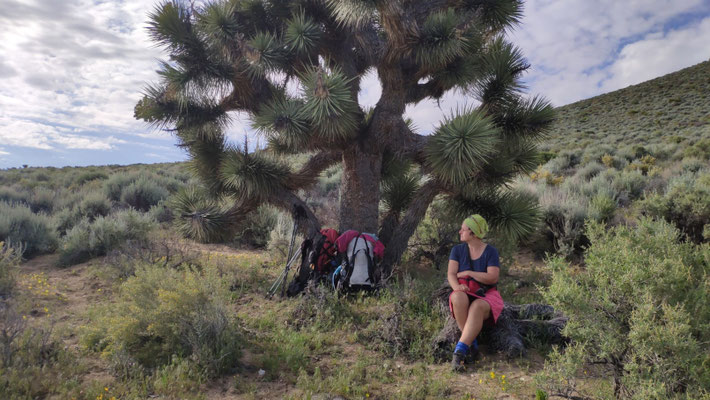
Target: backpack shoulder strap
pixel 370 263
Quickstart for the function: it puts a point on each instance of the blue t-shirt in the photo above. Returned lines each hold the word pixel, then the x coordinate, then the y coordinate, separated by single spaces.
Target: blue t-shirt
pixel 489 258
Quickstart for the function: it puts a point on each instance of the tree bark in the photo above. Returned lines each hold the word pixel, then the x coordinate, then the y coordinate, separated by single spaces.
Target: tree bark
pixel 360 190
pixel 517 327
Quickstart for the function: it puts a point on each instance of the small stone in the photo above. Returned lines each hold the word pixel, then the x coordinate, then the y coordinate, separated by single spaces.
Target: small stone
pixel 262 372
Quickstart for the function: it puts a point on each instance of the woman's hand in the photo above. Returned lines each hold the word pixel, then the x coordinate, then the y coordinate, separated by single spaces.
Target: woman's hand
pixel 464 274
pixel 460 288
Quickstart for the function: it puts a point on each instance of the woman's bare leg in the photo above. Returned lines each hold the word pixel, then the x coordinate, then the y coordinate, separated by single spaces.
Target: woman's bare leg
pixel 478 312
pixel 460 304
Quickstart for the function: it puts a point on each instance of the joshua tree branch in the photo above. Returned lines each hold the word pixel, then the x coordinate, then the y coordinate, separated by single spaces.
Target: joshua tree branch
pixel 309 172
pixel 286 200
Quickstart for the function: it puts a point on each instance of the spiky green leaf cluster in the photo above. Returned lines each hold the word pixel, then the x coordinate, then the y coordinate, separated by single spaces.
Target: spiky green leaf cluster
pixel 329 104
pixel 439 41
pixel 461 146
pixel 251 175
pixel 512 215
pixel 284 121
pixel 264 53
pixel 499 14
pixel 302 35
pixel 504 64
pixel 200 217
pixel 397 193
pixel 353 13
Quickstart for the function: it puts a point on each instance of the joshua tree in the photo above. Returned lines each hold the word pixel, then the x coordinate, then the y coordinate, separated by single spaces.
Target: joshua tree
pixel 295 67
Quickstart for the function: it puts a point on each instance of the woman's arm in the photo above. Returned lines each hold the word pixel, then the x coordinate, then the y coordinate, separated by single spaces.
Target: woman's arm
pixel 490 277
pixel 451 276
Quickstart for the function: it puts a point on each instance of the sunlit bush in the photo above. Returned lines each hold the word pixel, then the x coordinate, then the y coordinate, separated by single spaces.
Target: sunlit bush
pixel 143 194
pixel 10 257
pixel 641 305
pixel 93 239
pixel 686 203
pixel 94 205
pixel 161 313
pixel 18 224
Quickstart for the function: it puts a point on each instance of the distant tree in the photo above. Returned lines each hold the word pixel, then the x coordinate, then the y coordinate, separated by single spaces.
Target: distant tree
pixel 245 55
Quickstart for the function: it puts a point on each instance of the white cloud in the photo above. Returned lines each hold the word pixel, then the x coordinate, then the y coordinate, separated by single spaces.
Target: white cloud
pixel 76 63
pixel 659 54
pixel 571 44
pixel 42 136
pixel 4 153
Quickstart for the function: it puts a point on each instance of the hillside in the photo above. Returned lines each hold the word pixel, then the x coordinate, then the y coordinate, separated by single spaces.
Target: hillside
pixel 675 105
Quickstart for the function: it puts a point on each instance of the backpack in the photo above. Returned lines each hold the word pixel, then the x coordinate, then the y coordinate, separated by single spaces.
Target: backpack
pixel 359 255
pixel 317 260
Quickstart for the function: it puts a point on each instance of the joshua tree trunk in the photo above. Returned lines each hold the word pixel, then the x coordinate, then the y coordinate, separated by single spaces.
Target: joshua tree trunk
pixel 360 190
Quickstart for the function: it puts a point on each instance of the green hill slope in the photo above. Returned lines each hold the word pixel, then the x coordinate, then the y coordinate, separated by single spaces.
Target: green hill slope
pixel 672 107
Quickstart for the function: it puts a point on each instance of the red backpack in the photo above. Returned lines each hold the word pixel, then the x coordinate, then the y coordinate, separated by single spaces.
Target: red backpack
pixel 316 260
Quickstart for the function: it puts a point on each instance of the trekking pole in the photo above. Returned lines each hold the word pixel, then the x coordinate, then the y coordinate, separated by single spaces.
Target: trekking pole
pixel 298 213
pixel 282 278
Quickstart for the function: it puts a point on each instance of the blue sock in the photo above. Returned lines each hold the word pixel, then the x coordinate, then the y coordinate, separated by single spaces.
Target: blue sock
pixel 474 345
pixel 461 348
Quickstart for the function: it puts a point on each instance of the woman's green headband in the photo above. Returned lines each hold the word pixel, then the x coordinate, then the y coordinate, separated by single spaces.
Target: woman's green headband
pixel 477 224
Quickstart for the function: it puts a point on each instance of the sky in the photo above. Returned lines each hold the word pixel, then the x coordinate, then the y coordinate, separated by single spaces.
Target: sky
pixel 72 71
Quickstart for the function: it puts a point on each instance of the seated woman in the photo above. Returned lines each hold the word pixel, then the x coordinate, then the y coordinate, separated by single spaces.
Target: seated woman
pixel 472 273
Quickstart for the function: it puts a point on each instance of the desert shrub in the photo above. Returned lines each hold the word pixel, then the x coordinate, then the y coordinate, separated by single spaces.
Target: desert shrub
pixel 181 376
pixel 33 364
pixel 113 186
pixel 589 171
pixel 255 229
pixel 645 165
pixel 280 237
pixel 595 153
pixel 18 224
pixel 93 239
pixel 181 313
pixel 543 175
pixel 564 215
pixel 627 153
pixel 89 176
pixel 616 162
pixel 700 149
pixel 435 235
pixel 601 183
pixel 641 306
pixel 143 194
pixel 602 207
pixel 161 249
pixel 12 195
pixel 64 220
pixel 407 321
pixel 686 203
pixel 161 212
pixel 42 200
pixel 693 165
pixel 629 185
pixel 565 160
pixel 10 257
pixel 94 205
